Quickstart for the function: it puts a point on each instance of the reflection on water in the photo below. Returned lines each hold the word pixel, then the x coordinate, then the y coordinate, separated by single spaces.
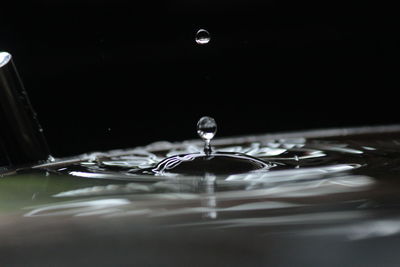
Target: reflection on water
pixel 336 195
pixel 164 198
pixel 282 154
pixel 309 181
pixel 80 208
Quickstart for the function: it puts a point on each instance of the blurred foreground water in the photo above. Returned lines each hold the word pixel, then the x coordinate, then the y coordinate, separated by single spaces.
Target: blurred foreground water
pixel 326 198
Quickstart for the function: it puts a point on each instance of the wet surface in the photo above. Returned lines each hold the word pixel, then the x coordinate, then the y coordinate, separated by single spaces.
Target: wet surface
pixel 323 200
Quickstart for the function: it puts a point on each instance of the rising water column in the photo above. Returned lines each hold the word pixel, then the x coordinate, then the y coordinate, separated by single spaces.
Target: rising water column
pixel 21 137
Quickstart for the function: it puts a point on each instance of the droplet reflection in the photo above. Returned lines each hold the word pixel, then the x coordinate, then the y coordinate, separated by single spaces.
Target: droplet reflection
pixel 206 129
pixel 202 37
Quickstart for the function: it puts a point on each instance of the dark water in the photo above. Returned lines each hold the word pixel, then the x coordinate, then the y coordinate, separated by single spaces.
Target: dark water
pixel 325 198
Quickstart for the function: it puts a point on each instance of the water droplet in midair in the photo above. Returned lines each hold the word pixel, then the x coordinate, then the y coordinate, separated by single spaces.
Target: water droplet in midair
pixel 206 129
pixel 202 37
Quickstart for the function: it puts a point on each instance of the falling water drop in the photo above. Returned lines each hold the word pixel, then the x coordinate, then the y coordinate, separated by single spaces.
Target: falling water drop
pixel 206 129
pixel 202 37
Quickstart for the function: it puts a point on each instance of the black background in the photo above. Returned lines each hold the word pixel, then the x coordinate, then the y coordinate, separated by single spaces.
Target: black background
pixel 114 74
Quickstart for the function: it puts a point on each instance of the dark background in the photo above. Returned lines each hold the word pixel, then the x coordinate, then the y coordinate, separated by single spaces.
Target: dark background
pixel 114 74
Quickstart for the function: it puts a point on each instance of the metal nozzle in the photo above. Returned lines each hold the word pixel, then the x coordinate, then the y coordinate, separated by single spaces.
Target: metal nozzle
pixel 21 137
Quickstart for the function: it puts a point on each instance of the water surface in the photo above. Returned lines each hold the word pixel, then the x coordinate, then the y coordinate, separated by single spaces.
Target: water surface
pixel 338 191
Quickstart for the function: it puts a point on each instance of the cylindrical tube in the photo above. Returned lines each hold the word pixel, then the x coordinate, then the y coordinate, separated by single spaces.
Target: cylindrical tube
pixel 21 137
